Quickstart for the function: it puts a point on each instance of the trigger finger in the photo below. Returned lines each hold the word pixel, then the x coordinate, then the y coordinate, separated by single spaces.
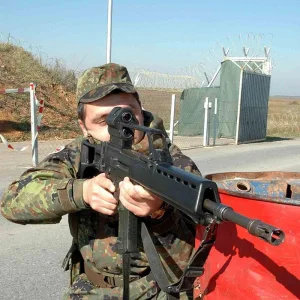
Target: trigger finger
pixel 127 193
pixel 127 186
pixel 143 193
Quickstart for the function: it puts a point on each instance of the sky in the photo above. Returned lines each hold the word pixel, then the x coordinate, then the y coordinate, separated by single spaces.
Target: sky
pixel 162 36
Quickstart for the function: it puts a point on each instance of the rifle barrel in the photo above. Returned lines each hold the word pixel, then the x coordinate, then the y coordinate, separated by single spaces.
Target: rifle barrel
pixel 264 231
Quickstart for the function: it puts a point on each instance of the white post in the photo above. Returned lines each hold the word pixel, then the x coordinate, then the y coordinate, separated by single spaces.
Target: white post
pixel 172 117
pixel 205 133
pixel 219 69
pixel 214 77
pixel 34 141
pixel 109 21
pixel 215 121
pixel 239 109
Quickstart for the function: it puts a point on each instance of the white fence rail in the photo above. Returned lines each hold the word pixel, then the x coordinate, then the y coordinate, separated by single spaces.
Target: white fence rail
pixel 34 122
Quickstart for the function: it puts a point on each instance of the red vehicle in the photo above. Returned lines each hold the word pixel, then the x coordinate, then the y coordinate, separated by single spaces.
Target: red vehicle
pixel 241 266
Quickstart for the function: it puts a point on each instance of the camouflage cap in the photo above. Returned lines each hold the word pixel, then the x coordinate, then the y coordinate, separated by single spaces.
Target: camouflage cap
pixel 98 82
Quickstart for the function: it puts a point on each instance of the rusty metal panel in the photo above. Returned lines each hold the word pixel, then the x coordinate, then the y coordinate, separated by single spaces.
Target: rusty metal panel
pixel 254 97
pixel 276 187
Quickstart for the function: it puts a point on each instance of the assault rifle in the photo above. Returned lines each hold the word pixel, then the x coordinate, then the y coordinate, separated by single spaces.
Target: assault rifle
pixel 194 196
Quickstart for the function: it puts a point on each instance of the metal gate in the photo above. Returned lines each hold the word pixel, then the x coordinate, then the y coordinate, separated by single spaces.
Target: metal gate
pixel 253 107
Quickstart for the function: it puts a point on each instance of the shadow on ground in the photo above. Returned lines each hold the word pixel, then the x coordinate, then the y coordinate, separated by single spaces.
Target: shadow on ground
pixel 7 126
pixel 278 138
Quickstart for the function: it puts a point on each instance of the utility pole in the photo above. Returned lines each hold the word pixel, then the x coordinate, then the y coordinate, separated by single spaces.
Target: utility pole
pixel 109 21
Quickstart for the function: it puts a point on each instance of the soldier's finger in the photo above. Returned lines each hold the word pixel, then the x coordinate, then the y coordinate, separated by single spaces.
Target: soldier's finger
pixel 127 186
pixel 105 211
pixel 105 183
pixel 144 193
pixel 127 191
pixel 136 210
pixel 107 205
pixel 100 193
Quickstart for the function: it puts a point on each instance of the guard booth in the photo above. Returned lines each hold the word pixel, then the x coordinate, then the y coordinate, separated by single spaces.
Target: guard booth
pixel 241 99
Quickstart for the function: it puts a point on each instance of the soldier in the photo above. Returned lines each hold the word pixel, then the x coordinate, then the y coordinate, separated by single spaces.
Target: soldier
pixel 45 193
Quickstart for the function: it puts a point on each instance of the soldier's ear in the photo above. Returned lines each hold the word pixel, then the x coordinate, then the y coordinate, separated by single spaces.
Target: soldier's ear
pixel 82 126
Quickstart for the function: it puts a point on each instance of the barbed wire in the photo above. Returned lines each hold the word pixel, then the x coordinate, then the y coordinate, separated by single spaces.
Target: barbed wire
pixel 197 75
pixel 249 46
pixel 147 79
pixel 284 124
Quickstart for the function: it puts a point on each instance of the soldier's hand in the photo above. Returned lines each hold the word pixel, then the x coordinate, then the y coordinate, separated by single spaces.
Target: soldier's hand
pixel 138 200
pixel 97 193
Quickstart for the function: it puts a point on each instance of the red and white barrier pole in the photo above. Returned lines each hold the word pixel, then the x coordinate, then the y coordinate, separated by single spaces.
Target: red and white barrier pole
pixel 35 120
pixel 34 132
pixel 10 146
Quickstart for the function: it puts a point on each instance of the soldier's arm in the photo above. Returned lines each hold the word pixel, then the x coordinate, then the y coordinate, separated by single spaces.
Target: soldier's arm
pixel 45 193
pixel 175 233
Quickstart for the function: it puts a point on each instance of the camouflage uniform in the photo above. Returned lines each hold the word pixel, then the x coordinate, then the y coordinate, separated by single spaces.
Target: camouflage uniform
pixel 45 193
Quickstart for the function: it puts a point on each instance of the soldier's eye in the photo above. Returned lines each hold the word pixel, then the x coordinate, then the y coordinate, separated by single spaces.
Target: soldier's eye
pixel 101 122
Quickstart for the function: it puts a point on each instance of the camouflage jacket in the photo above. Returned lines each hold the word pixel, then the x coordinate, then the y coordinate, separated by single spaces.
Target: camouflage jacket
pixel 45 193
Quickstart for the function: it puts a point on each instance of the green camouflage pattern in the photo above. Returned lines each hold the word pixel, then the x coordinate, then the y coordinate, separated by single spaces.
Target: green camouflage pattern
pixel 34 197
pixel 141 289
pixel 98 82
pixel 45 193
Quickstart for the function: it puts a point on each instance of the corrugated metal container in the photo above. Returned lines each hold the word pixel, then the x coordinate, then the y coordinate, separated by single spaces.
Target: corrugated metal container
pixel 253 107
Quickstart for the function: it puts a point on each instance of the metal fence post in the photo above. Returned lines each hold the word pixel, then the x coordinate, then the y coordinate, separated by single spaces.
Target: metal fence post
pixel 215 121
pixel 205 129
pixel 109 31
pixel 237 131
pixel 34 141
pixel 172 117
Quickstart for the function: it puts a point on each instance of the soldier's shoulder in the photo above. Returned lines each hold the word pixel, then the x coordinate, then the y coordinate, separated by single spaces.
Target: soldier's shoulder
pixel 183 161
pixel 74 144
pixel 69 151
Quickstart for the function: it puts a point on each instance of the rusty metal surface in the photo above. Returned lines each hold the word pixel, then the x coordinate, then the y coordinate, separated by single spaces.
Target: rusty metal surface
pixel 276 187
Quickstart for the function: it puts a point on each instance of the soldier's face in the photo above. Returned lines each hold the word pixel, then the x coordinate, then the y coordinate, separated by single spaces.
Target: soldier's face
pixel 97 111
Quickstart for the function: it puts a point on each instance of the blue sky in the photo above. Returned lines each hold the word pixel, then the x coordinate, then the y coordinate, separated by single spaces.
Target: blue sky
pixel 163 36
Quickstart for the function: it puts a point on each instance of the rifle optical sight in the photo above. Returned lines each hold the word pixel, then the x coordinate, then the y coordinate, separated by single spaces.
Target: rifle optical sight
pixel 126 117
pixel 127 133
